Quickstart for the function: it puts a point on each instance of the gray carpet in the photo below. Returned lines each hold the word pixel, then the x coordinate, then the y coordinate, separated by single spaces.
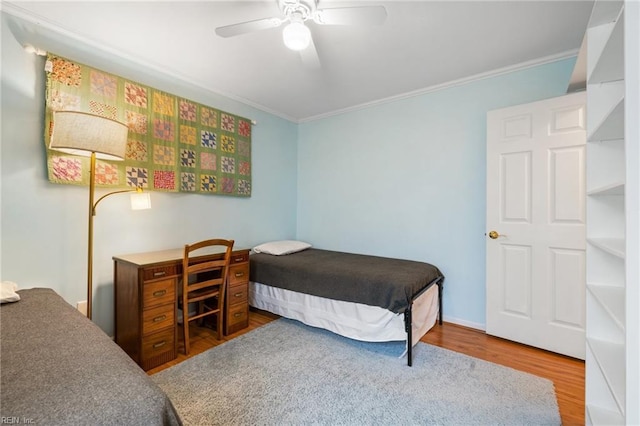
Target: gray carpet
pixel 286 373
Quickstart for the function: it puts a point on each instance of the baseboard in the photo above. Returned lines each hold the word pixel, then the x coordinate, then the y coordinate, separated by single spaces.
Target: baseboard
pixel 464 323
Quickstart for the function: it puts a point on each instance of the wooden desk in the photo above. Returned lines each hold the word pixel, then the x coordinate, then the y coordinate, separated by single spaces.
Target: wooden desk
pixel 146 293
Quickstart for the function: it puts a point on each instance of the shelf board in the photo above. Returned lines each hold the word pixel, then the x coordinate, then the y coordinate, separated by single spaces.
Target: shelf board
pixel 612 299
pixel 602 416
pixel 616 188
pixel 609 64
pixel 612 125
pixel 611 361
pixel 604 12
pixel 614 246
pixel 607 386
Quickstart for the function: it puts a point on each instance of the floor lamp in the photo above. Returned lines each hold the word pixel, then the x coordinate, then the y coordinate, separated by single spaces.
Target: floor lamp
pixel 94 136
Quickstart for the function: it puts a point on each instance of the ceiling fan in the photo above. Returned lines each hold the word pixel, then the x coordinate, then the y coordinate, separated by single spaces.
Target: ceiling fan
pixel 296 35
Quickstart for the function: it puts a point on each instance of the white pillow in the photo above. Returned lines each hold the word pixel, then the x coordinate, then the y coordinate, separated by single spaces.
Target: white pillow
pixel 8 292
pixel 279 248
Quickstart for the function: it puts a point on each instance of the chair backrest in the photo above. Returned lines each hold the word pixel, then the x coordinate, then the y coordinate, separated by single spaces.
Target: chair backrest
pixel 208 272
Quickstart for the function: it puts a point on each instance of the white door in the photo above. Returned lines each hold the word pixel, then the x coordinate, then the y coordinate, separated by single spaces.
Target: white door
pixel 536 278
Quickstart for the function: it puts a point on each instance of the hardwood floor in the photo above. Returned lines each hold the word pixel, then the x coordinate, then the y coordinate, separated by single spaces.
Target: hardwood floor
pixel 566 373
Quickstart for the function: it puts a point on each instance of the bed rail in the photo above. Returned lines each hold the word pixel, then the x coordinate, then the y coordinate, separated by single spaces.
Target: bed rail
pixel 408 316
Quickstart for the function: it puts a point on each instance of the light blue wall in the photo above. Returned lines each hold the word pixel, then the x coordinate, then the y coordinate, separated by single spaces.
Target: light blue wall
pixel 44 225
pixel 407 179
pixel 402 179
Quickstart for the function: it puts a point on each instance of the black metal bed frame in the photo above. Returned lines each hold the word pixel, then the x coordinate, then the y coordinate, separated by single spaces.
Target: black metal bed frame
pixel 408 315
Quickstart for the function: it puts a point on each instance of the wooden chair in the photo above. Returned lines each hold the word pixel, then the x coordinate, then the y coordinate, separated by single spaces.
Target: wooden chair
pixel 203 282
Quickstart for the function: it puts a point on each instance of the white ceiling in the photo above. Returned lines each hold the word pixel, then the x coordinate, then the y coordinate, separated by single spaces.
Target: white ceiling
pixel 422 45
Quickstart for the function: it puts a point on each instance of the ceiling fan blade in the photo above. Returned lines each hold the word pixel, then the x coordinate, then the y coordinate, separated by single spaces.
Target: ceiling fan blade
pixel 361 15
pixel 309 56
pixel 248 27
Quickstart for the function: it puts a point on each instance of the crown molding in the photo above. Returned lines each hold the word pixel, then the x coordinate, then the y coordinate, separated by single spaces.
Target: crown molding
pixel 42 22
pixel 448 85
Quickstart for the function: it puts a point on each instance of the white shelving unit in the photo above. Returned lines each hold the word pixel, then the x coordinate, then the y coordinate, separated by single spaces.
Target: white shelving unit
pixel 612 258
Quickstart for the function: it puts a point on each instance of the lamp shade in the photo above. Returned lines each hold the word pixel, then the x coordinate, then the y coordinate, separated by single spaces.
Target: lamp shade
pixel 80 133
pixel 140 201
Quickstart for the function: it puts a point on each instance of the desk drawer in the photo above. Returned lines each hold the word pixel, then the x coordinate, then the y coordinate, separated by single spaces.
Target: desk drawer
pixel 158 343
pixel 239 273
pixel 239 257
pixel 237 314
pixel 155 319
pixel 159 293
pixel 237 294
pixel 159 272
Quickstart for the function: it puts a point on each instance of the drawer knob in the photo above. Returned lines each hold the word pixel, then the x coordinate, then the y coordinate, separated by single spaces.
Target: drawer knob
pixel 237 315
pixel 237 295
pixel 159 344
pixel 159 273
pixel 159 293
pixel 239 259
pixel 239 274
pixel 160 318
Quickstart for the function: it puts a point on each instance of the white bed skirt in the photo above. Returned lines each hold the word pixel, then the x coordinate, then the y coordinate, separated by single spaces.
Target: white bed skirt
pixel 353 320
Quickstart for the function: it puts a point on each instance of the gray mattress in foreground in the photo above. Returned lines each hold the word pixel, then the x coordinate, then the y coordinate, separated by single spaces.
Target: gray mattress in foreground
pixel 58 368
pixel 370 280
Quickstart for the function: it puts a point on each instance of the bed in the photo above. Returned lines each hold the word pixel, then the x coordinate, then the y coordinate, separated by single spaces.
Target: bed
pixel 58 368
pixel 362 297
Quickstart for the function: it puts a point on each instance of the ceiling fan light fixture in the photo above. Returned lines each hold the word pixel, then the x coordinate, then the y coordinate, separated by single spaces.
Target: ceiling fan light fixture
pixel 296 36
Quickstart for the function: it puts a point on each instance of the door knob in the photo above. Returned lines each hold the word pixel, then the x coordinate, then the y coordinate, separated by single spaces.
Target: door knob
pixel 493 235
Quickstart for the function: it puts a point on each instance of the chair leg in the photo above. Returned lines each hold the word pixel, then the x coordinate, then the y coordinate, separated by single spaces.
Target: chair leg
pixel 200 311
pixel 185 325
pixel 219 324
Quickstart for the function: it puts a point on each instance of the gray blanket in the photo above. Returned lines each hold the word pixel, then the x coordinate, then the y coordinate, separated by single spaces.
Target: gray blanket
pixel 58 368
pixel 370 280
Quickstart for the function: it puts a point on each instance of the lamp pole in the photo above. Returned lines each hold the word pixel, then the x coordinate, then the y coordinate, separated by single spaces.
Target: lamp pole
pixel 92 213
pixel 92 172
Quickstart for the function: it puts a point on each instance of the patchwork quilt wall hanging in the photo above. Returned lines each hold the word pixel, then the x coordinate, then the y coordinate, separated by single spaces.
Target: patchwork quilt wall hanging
pixel 174 144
